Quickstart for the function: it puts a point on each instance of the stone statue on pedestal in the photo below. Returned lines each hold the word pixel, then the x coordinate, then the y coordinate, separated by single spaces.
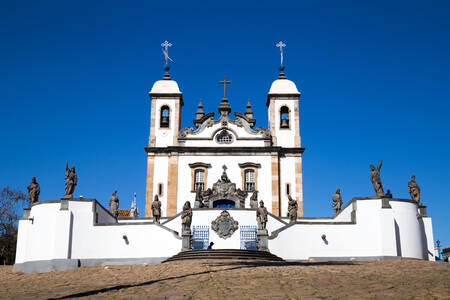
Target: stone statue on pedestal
pixel 414 189
pixel 186 218
pixel 337 201
pixel 156 209
pixel 33 190
pixel 114 204
pixel 254 200
pixel 71 181
pixel 376 181
pixel 261 216
pixel 292 209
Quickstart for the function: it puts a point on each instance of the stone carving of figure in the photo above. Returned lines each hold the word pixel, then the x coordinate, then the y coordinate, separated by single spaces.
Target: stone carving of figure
pixel 33 190
pixel 292 209
pixel 186 218
pixel 114 204
pixel 261 216
pixel 156 209
pixel 414 189
pixel 376 181
pixel 71 181
pixel 337 201
pixel 254 200
pixel 198 199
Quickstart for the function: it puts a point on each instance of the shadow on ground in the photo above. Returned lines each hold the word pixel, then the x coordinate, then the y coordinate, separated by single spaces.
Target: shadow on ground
pixel 234 265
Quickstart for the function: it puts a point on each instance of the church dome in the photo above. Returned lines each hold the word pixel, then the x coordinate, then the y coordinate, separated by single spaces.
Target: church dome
pixel 165 87
pixel 283 86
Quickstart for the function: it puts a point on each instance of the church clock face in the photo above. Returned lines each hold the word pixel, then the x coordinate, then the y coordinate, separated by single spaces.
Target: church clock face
pixel 164 133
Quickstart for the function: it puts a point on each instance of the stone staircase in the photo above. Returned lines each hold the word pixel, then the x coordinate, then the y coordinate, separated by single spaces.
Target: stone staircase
pixel 225 254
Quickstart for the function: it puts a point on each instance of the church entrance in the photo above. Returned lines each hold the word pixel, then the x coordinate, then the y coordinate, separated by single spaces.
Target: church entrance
pixel 223 203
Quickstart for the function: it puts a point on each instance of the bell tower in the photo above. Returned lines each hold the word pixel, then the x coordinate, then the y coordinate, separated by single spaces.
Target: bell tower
pixel 284 125
pixel 162 170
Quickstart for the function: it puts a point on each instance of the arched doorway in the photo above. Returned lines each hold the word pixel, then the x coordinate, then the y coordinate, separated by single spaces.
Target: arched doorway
pixel 224 203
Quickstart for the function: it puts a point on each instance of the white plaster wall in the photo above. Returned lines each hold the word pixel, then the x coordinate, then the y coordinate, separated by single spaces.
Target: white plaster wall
pixel 264 184
pixel 287 175
pixel 71 233
pixel 409 229
pixel 302 241
pixel 164 136
pixel 429 245
pixel 102 215
pixel 160 173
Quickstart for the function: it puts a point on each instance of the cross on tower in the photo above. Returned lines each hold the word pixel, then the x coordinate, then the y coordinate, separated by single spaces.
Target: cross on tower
pixel 166 46
pixel 281 45
pixel 224 168
pixel 225 82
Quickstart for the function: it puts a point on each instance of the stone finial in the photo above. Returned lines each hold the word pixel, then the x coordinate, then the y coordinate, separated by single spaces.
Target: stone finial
pixel 134 210
pixel 199 113
pixel 282 75
pixel 249 112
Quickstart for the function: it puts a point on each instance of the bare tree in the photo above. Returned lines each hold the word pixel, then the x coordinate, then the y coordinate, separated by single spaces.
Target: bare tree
pixel 12 202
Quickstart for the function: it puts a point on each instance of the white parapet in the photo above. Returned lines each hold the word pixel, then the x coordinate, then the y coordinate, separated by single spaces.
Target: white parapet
pixel 64 234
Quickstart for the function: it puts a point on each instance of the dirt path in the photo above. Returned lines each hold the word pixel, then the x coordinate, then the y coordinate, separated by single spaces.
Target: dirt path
pixel 399 279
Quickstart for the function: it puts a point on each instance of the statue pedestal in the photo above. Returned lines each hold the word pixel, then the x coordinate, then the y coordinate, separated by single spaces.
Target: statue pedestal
pixel 263 240
pixel 186 241
pixel 423 210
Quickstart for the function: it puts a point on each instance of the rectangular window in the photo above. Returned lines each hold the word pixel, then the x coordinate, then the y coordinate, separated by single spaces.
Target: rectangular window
pixel 199 180
pixel 249 180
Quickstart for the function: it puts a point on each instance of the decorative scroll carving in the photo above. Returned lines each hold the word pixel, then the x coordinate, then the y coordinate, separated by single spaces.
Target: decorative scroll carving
pixel 224 225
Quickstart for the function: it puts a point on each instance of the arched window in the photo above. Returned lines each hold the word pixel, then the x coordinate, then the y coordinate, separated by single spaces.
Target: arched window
pixel 224 137
pixel 165 117
pixel 249 180
pixel 199 179
pixel 284 117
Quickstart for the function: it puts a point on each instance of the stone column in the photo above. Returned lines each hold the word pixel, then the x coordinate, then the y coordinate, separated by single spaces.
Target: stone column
pixel 263 240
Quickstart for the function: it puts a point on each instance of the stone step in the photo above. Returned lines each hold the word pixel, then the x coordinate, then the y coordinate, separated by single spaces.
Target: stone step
pixel 225 254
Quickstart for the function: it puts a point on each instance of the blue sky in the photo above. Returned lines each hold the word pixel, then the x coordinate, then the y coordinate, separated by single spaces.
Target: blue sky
pixel 374 77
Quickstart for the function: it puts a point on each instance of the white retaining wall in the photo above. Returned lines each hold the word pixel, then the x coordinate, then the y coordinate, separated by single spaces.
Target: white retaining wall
pixel 86 230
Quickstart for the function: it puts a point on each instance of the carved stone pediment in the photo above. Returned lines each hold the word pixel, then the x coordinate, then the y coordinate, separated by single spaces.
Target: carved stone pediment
pixel 224 225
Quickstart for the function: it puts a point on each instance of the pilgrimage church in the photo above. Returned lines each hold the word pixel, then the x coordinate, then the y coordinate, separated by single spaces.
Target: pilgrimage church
pixel 226 183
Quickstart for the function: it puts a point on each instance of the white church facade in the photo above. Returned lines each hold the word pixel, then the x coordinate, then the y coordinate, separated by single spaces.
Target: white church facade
pixel 181 161
pixel 217 167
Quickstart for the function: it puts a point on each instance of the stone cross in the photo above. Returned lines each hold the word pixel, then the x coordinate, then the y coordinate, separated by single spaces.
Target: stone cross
pixel 281 45
pixel 166 46
pixel 225 82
